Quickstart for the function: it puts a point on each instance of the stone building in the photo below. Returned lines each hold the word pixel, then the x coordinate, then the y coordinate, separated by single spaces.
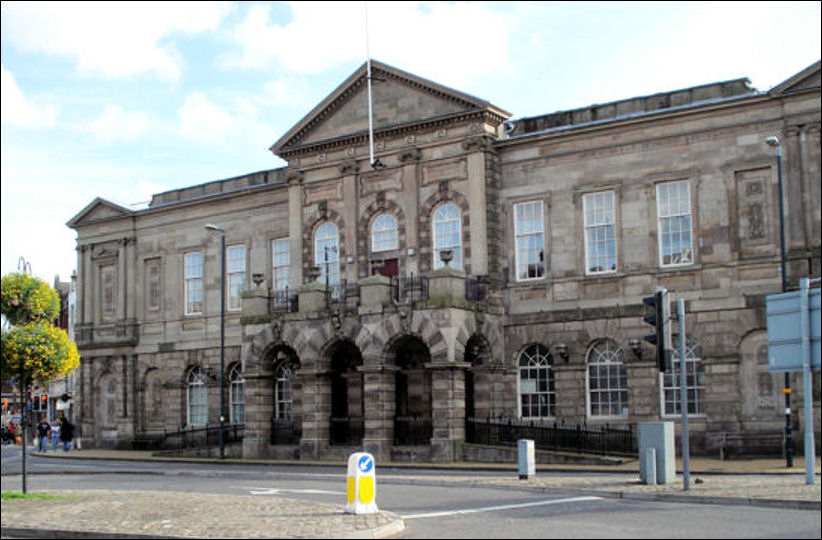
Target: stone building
pixel 483 268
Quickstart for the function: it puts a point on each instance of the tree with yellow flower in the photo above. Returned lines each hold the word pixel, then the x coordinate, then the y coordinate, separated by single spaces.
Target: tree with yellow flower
pixel 33 348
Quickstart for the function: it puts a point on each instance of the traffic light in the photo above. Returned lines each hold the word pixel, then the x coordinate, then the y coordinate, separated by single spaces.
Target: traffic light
pixel 660 319
pixel 44 402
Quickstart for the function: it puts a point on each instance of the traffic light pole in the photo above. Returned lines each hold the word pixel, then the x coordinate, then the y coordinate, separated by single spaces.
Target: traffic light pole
pixel 683 397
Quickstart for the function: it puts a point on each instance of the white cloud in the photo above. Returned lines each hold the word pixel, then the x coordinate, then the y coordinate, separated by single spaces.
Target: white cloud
pixel 202 120
pixel 21 111
pixel 117 124
pixel 452 43
pixel 112 41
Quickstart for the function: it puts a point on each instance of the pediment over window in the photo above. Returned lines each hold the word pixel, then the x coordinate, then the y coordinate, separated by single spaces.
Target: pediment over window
pixel 807 79
pixel 398 99
pixel 99 210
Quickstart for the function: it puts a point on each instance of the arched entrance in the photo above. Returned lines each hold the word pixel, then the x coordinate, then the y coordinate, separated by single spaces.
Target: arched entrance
pixel 412 421
pixel 347 422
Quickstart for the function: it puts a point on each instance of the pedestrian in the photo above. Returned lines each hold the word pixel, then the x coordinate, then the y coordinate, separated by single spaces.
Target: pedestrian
pixel 43 430
pixel 55 433
pixel 66 433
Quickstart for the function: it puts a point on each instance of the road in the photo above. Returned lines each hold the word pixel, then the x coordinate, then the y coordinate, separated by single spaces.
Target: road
pixel 431 509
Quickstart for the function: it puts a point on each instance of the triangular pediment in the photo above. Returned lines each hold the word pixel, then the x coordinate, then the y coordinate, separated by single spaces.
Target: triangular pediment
pixel 99 210
pixel 398 99
pixel 808 79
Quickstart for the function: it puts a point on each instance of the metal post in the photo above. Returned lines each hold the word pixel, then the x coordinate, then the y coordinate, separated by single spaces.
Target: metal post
pixel 810 449
pixel 774 141
pixel 222 344
pixel 211 227
pixel 683 398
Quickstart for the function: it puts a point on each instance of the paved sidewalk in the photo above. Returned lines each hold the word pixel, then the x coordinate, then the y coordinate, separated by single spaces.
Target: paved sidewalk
pixel 766 482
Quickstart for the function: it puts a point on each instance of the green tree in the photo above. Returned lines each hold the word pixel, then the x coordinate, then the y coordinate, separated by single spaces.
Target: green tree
pixel 32 348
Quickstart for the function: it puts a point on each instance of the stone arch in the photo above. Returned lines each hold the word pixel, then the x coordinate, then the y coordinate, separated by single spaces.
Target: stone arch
pixel 364 230
pixel 442 196
pixel 313 221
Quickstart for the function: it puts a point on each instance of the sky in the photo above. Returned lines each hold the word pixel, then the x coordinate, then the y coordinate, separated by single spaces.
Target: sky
pixel 124 100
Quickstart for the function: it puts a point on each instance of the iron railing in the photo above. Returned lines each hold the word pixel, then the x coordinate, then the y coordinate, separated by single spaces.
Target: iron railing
pixel 579 438
pixel 412 430
pixel 409 289
pixel 285 431
pixel 347 431
pixel 476 289
pixel 199 437
pixel 285 301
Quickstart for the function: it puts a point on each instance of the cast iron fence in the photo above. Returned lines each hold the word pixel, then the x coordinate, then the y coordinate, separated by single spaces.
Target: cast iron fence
pixel 409 289
pixel 199 437
pixel 347 431
pixel 579 438
pixel 412 430
pixel 285 431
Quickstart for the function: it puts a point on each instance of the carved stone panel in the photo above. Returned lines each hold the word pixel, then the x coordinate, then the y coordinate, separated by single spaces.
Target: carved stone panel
pixel 380 181
pixel 754 212
pixel 454 169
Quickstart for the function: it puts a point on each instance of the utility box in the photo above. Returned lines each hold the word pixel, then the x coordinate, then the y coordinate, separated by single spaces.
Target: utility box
pixel 658 436
pixel 526 459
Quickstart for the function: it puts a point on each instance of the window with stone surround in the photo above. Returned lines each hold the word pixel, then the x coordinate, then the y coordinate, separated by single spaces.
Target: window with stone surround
pixel 384 233
pixel 193 283
pixel 694 382
pixel 447 235
pixel 236 395
pixel 607 381
pixel 326 253
pixel 674 230
pixel 529 240
pixel 281 264
pixel 600 232
pixel 196 397
pixel 282 392
pixel 236 270
pixel 537 391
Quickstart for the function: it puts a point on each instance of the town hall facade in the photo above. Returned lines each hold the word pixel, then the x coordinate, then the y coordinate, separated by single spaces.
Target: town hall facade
pixel 483 267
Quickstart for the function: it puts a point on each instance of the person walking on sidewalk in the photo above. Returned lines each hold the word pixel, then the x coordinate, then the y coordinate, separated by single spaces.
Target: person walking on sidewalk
pixel 66 433
pixel 55 434
pixel 43 429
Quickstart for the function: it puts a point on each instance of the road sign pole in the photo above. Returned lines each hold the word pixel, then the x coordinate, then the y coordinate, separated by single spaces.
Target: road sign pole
pixel 810 449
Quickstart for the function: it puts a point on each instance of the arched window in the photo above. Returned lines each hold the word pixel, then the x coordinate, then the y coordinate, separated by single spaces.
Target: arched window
pixel 384 235
pixel 282 392
pixel 447 234
pixel 537 393
pixel 607 380
pixel 694 382
pixel 236 395
pixel 326 253
pixel 196 397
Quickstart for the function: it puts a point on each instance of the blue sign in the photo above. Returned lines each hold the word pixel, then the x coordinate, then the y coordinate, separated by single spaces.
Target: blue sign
pixel 365 464
pixel 784 313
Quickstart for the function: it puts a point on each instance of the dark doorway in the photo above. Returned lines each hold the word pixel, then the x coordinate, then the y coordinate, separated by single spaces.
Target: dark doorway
pixel 347 420
pixel 412 421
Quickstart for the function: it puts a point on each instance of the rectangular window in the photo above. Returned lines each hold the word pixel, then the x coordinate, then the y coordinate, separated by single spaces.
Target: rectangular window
pixel 235 262
pixel 600 232
pixel 529 240
pixel 193 283
pixel 673 201
pixel 281 264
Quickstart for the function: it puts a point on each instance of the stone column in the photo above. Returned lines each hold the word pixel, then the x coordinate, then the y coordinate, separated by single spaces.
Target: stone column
pixel 476 194
pixel 380 405
pixel 447 410
pixel 259 407
pixel 295 226
pixel 316 412
pixel 643 388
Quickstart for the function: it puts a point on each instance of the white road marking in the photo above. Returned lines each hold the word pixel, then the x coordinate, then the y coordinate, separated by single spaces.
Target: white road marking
pixel 276 491
pixel 501 507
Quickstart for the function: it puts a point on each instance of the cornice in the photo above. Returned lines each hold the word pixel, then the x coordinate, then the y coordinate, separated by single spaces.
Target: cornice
pixel 403 129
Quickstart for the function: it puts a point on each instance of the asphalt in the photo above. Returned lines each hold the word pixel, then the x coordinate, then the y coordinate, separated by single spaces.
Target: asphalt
pixel 132 514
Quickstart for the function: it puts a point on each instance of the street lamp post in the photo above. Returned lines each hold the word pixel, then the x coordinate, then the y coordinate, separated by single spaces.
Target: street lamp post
pixel 211 227
pixel 773 141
